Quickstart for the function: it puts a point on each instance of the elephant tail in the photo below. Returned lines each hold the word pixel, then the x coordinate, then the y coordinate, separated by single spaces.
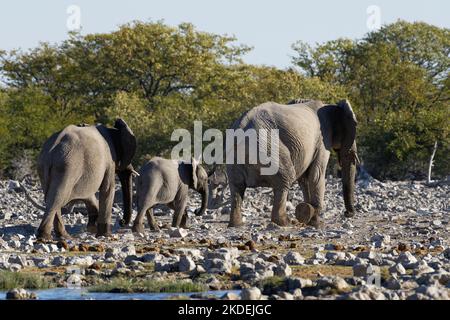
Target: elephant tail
pixel 30 198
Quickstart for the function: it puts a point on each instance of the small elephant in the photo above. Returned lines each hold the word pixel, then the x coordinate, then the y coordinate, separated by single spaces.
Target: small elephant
pixel 164 181
pixel 308 131
pixel 77 162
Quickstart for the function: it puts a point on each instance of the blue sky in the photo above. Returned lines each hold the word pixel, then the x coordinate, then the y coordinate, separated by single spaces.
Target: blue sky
pixel 269 26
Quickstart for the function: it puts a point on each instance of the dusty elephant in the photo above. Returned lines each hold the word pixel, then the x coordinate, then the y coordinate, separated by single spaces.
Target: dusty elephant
pixel 308 131
pixel 77 162
pixel 164 181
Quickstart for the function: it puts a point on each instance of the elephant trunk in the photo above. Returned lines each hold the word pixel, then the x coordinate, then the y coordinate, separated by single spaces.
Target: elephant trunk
pixel 205 195
pixel 348 180
pixel 126 177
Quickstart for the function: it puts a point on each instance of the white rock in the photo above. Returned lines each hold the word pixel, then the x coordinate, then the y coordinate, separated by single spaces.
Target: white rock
pixel 294 258
pixel 251 293
pixel 186 264
pixel 178 232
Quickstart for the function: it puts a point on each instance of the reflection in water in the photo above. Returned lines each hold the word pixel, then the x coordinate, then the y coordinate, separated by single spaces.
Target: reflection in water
pixel 84 294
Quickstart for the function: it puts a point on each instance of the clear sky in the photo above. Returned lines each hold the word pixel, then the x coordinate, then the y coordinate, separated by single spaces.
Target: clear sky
pixel 270 26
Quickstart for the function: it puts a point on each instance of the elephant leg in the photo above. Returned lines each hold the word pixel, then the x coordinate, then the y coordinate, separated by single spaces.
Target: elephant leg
pixel 304 211
pixel 92 208
pixel 54 202
pixel 151 220
pixel 279 207
pixel 105 204
pixel 237 196
pixel 184 220
pixel 316 184
pixel 180 208
pixel 138 224
pixel 58 224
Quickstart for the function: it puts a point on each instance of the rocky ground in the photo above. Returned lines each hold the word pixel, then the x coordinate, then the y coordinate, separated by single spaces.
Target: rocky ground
pixel 396 247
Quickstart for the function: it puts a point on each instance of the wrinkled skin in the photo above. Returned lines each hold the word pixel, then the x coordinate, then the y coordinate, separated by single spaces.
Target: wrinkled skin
pixel 164 181
pixel 77 162
pixel 308 131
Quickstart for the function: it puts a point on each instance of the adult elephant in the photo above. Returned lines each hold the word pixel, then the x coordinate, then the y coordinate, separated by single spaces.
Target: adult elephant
pixel 77 162
pixel 308 131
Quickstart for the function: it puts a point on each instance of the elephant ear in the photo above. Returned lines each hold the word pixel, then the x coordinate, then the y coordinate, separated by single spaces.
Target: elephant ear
pixel 126 144
pixel 348 125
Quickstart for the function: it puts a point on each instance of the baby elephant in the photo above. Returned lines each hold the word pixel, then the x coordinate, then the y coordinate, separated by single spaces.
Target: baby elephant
pixel 163 181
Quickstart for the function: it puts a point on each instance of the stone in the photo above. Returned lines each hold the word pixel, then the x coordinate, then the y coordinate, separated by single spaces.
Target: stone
pixel 407 260
pixel 13 185
pixel 282 270
pixel 364 270
pixel 286 295
pixel 168 265
pixel 298 283
pixel 380 240
pixel 422 268
pixel 59 261
pixel 333 282
pixel 186 264
pixel 129 249
pixel 20 294
pixel 294 258
pixel 178 232
pixel 230 296
pixel 251 293
pixel 397 269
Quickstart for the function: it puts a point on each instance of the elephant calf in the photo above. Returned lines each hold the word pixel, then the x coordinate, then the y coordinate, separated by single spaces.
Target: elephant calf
pixel 164 181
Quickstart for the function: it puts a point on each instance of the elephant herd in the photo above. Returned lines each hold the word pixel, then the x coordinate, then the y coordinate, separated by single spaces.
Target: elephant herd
pixel 80 161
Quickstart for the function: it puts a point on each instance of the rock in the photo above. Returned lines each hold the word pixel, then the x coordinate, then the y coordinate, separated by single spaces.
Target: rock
pixel 218 266
pixel 282 270
pixel 178 232
pixel 294 283
pixel 285 295
pixel 407 260
pixel 20 294
pixel 13 185
pixel 367 293
pixel 397 269
pixel 294 258
pixel 129 249
pixel 251 293
pixel 230 296
pixel 435 292
pixel 58 261
pixel 380 240
pixel 186 264
pixel 363 270
pixel 151 257
pixel 168 265
pixel 422 268
pixel 333 282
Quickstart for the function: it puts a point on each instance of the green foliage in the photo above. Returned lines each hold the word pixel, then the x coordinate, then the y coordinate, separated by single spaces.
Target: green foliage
pixel 159 78
pixel 397 80
pixel 118 284
pixel 10 280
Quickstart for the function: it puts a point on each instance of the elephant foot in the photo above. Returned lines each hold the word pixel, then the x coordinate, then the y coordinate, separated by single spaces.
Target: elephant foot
pixel 282 221
pixel 316 222
pixel 63 236
pixel 43 235
pixel 349 213
pixel 138 228
pixel 103 230
pixel 235 223
pixel 91 228
pixel 304 212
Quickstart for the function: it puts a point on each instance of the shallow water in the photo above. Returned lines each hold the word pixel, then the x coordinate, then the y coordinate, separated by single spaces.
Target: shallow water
pixel 84 294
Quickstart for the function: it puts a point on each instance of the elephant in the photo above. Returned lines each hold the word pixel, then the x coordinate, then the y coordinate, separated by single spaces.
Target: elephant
pixel 308 131
pixel 165 181
pixel 77 162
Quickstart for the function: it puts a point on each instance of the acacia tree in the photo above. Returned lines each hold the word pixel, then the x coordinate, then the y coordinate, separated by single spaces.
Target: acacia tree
pixel 397 78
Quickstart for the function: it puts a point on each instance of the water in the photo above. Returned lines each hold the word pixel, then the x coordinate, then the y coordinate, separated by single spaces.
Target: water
pixel 84 294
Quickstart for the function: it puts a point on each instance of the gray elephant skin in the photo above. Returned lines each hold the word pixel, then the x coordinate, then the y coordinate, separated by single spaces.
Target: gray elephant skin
pixel 308 131
pixel 164 181
pixel 77 162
